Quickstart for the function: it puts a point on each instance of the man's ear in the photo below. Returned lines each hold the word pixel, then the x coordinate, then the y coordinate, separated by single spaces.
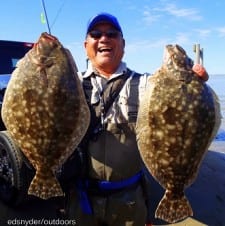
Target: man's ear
pixel 85 44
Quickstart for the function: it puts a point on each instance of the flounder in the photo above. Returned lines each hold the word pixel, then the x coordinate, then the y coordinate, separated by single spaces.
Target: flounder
pixel 45 111
pixel 178 117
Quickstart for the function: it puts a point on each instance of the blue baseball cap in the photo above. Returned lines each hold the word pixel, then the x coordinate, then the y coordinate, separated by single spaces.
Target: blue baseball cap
pixel 101 18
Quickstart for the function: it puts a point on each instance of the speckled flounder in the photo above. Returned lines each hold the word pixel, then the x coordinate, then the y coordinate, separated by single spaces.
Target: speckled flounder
pixel 45 111
pixel 178 117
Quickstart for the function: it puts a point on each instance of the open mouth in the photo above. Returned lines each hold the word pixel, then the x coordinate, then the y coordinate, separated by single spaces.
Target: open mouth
pixel 104 49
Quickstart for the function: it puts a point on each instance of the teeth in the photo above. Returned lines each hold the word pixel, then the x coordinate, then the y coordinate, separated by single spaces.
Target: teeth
pixel 101 50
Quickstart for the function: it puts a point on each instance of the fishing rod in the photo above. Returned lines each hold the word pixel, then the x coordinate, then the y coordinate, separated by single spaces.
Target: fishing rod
pixel 46 17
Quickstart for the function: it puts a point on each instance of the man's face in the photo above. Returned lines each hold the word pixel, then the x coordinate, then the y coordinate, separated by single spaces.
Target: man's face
pixel 105 52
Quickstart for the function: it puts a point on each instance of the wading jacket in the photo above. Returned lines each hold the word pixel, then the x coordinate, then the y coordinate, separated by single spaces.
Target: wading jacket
pixel 112 148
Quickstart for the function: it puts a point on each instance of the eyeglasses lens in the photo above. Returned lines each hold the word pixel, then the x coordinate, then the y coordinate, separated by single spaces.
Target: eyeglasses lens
pixel 109 34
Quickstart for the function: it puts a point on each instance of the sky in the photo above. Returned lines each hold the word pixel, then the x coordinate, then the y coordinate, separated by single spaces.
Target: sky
pixel 148 25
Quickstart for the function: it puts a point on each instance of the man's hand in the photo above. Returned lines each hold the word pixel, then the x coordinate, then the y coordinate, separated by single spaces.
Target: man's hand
pixel 200 72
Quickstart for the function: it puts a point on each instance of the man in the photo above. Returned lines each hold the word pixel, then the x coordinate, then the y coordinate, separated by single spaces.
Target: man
pixel 114 191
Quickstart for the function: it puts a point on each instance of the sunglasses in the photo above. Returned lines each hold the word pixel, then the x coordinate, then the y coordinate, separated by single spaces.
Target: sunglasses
pixel 109 34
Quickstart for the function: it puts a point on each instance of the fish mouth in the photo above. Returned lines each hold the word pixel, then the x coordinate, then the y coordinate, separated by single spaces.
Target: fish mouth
pixel 45 44
pixel 49 37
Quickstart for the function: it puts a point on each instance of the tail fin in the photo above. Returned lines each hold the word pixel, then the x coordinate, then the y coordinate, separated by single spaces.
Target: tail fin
pixel 45 187
pixel 172 209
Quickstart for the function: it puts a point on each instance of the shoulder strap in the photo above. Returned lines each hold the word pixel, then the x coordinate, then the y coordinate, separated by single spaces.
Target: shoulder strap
pixel 112 91
pixel 133 97
pixel 109 95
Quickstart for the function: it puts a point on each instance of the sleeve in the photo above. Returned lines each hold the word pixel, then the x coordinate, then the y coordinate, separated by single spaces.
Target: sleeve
pixel 80 76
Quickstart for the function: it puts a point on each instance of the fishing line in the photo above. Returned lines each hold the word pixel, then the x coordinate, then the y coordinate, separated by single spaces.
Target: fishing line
pixel 58 13
pixel 46 17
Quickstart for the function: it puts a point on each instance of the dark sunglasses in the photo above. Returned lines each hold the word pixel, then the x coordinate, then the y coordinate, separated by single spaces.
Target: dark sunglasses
pixel 109 34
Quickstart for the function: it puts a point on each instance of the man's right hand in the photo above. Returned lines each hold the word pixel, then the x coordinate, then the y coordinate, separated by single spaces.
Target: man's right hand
pixel 200 72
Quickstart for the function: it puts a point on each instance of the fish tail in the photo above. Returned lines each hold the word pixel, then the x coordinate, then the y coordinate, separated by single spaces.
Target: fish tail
pixel 45 187
pixel 173 208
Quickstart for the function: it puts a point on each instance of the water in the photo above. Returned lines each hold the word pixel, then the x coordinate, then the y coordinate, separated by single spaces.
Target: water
pixel 217 82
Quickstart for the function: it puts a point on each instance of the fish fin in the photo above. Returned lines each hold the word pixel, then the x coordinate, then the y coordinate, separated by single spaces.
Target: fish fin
pixel 45 188
pixel 173 209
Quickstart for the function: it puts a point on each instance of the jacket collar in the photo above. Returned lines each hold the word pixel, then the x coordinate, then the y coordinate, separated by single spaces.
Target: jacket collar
pixel 120 70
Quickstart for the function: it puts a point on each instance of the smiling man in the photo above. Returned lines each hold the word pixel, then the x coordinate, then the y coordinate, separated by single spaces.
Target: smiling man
pixel 113 191
pixel 104 44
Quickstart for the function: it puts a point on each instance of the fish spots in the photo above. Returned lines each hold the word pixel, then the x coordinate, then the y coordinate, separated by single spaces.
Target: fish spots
pixel 19 114
pixel 172 140
pixel 45 111
pixel 170 127
pixel 164 162
pixel 159 134
pixel 179 115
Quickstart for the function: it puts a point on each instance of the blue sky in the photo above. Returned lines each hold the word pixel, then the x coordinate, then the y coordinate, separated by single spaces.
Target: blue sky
pixel 148 25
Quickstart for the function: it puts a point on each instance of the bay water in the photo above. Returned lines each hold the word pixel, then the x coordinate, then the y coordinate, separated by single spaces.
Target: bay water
pixel 217 83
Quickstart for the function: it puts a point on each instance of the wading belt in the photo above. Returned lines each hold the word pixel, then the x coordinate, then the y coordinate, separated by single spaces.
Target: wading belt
pixel 103 186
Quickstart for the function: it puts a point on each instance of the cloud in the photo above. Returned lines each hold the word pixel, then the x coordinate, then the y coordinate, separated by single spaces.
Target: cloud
pixel 221 31
pixel 189 13
pixel 182 38
pixel 145 45
pixel 149 16
pixel 203 32
pixel 170 9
